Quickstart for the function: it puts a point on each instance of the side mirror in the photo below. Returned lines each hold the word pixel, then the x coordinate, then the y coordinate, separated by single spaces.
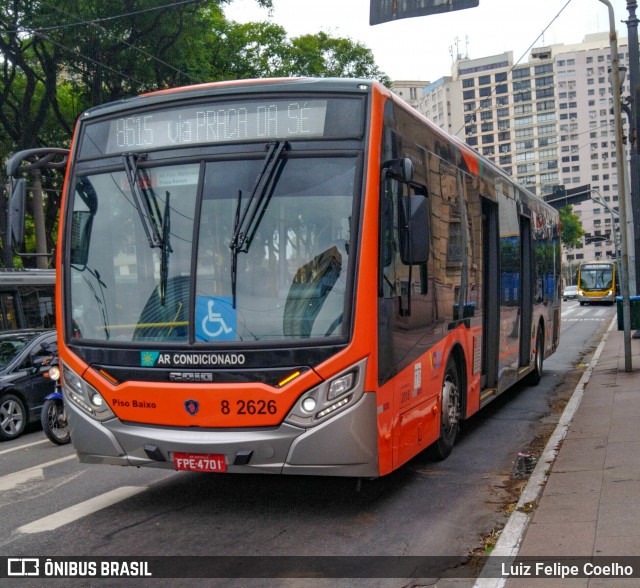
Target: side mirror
pixel 413 228
pixel 82 221
pixel 401 169
pixel 17 201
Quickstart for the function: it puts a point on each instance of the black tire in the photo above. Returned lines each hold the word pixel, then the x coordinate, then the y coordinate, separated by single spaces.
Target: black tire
pixel 450 412
pixel 54 422
pixel 536 374
pixel 13 417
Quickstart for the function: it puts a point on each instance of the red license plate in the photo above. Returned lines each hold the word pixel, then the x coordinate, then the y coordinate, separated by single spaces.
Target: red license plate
pixel 199 462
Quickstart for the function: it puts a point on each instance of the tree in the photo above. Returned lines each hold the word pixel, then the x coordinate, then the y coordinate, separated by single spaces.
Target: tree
pixel 320 55
pixel 572 231
pixel 60 59
pixel 262 49
pixel 94 52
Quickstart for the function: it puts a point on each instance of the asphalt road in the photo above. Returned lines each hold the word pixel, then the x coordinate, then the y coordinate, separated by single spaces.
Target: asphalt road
pixel 52 505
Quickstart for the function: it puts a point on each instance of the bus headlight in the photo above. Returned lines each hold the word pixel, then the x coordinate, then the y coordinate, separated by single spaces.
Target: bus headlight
pixel 341 385
pixel 329 398
pixel 84 396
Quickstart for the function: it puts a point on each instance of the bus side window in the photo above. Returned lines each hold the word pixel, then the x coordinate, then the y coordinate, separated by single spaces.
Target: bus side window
pixel 398 197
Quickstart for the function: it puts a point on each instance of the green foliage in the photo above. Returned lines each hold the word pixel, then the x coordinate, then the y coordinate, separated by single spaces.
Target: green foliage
pixel 58 59
pixel 572 231
pixel 62 58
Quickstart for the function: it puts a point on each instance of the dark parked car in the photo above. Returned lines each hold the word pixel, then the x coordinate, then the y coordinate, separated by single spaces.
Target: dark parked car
pixel 23 359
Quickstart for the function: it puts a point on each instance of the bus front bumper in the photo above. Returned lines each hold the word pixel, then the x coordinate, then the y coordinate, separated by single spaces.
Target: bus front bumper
pixel 606 297
pixel 346 445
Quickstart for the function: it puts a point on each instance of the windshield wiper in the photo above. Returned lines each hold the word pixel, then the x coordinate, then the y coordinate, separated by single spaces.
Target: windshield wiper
pixel 166 248
pixel 156 226
pixel 247 222
pixel 145 201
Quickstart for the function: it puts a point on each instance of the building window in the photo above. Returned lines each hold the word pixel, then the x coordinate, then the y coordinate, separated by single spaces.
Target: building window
pixel 524 85
pixel 523 72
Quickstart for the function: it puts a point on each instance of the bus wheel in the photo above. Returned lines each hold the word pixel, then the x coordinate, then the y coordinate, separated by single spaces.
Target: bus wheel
pixel 536 374
pixel 450 413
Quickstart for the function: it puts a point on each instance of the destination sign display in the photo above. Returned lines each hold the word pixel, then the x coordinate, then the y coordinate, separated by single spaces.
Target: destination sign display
pixel 222 122
pixel 288 118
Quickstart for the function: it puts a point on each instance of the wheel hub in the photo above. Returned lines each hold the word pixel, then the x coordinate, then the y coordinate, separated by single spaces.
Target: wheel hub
pixel 449 404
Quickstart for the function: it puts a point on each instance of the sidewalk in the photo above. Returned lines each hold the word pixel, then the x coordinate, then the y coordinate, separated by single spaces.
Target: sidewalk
pixel 590 505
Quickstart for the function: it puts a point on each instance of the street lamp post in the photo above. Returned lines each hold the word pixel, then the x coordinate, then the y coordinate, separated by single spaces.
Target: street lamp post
pixel 617 110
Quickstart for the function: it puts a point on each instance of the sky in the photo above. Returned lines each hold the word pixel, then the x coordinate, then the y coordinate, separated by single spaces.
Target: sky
pixel 424 48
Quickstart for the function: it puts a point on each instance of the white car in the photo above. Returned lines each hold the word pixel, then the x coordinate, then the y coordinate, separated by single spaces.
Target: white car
pixel 570 293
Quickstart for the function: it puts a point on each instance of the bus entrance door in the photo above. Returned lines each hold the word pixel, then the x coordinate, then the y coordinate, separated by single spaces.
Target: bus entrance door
pixel 526 290
pixel 491 298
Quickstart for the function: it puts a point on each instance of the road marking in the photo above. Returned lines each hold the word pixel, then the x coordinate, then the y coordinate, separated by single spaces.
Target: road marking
pixel 23 446
pixel 83 509
pixel 10 481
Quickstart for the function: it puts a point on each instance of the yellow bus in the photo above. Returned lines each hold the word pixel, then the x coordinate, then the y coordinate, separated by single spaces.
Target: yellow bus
pixel 597 282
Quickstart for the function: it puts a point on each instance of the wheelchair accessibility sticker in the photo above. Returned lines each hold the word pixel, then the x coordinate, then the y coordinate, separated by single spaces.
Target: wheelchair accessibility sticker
pixel 215 319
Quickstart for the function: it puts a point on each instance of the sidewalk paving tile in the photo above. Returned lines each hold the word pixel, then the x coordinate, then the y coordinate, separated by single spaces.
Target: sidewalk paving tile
pixel 624 428
pixel 617 547
pixel 621 485
pixel 574 483
pixel 589 423
pixel 617 519
pixel 559 539
pixel 626 453
pixel 566 508
pixel 581 454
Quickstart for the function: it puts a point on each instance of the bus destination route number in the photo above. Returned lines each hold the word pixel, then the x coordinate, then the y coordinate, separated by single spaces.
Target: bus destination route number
pixel 188 125
pixel 199 462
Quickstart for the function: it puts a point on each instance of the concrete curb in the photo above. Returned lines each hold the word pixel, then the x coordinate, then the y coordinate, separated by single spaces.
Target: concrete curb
pixel 511 537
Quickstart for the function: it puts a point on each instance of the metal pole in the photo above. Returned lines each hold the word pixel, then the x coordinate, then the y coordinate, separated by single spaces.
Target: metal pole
pixel 634 130
pixel 616 238
pixel 617 111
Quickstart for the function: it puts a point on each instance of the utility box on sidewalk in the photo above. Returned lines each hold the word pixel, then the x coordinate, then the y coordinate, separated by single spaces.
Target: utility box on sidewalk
pixel 634 311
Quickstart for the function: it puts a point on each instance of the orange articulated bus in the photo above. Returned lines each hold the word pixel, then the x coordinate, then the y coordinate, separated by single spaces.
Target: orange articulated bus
pixel 294 276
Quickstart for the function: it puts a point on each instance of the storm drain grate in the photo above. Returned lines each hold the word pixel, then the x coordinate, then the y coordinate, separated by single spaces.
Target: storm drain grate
pixel 524 465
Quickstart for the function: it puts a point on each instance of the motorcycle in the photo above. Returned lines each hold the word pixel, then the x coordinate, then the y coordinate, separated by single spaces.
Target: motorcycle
pixel 54 416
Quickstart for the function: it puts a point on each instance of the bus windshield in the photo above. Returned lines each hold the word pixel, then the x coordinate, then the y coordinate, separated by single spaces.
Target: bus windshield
pixel 187 284
pixel 596 277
